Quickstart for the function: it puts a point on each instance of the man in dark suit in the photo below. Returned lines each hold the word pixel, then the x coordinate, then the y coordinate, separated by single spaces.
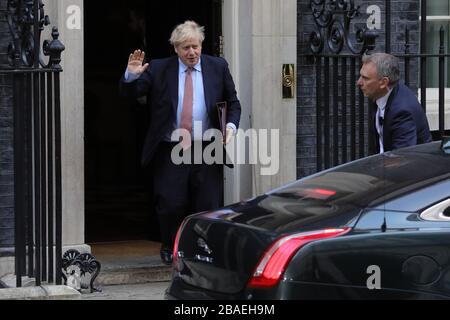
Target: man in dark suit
pixel 400 120
pixel 182 91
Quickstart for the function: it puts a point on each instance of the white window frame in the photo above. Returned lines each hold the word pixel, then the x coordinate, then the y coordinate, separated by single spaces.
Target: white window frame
pixel 433 108
pixel 432 103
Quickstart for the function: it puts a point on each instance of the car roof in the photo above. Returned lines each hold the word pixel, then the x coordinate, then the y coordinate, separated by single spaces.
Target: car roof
pixel 374 180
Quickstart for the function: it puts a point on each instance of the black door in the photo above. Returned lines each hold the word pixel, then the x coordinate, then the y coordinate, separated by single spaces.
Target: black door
pixel 118 191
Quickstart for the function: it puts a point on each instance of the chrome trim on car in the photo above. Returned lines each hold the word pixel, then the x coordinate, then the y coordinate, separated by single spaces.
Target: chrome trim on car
pixel 203 245
pixel 436 212
pixel 445 144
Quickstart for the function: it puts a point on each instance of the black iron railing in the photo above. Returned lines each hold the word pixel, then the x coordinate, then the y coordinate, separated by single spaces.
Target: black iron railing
pixel 37 143
pixel 342 112
pixel 423 58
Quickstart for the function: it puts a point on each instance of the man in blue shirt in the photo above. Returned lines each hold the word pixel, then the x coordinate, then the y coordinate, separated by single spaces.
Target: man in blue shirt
pixel 182 91
pixel 400 120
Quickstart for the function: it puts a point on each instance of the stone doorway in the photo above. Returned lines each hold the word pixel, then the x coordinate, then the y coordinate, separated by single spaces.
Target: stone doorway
pixel 118 191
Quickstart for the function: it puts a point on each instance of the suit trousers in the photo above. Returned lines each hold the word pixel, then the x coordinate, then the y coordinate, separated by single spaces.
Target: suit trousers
pixel 182 190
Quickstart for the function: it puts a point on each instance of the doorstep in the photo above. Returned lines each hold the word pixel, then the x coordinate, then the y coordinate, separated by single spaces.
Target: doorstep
pixel 49 292
pixel 130 262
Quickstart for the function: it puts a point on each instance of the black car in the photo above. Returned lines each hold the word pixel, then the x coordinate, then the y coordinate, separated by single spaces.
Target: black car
pixel 375 228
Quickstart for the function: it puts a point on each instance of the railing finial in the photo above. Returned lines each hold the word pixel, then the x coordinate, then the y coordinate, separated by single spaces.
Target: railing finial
pixel 53 49
pixel 21 20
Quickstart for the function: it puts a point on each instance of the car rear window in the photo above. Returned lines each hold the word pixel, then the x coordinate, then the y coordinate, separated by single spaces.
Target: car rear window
pixel 378 178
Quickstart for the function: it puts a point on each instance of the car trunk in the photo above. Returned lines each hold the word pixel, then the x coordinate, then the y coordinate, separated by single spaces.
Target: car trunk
pixel 220 250
pixel 219 255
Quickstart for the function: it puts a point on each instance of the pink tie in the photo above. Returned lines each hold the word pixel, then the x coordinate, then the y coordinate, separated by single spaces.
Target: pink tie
pixel 188 101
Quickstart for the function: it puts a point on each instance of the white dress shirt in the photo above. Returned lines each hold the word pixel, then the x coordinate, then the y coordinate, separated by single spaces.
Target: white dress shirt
pixel 381 103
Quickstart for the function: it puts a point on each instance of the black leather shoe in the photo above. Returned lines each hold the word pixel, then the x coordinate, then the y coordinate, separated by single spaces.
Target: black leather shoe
pixel 166 256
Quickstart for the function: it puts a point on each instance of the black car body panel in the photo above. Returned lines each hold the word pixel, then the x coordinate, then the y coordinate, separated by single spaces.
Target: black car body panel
pixel 293 290
pixel 410 262
pixel 380 198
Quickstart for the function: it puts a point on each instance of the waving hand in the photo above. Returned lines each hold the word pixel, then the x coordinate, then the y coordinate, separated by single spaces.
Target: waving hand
pixel 135 62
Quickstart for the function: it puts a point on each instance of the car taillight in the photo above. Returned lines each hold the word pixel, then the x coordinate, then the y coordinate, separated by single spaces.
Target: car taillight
pixel 274 261
pixel 175 246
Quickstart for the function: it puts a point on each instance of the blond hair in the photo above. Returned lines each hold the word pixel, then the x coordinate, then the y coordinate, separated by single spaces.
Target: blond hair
pixel 187 31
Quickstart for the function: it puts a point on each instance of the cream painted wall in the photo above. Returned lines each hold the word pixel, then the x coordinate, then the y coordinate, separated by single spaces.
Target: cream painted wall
pixel 275 43
pixel 261 36
pixel 72 114
pixel 237 51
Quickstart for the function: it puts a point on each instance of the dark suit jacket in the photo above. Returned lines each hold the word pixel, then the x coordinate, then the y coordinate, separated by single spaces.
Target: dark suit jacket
pixel 160 84
pixel 405 123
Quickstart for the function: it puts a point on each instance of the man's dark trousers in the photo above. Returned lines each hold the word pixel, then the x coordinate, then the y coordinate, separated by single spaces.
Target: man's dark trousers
pixel 181 190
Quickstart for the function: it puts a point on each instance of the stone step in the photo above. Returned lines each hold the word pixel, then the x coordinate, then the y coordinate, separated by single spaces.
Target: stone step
pixel 50 292
pixel 122 263
pixel 133 270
